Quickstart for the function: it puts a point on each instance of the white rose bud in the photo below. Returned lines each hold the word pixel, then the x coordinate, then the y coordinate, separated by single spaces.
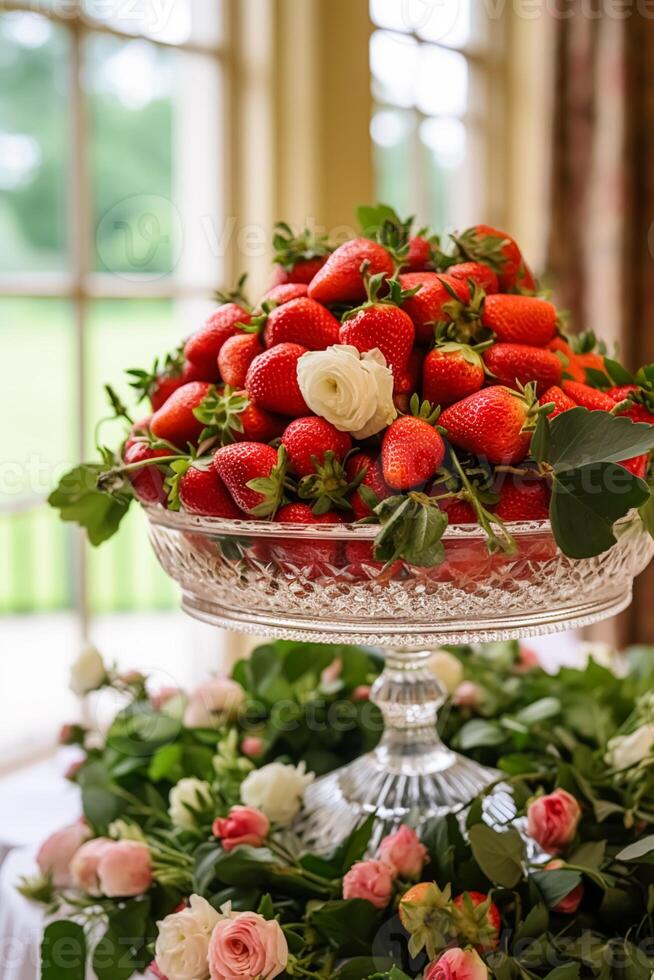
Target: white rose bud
pixel 277 790
pixel 353 391
pixel 87 673
pixel 187 796
pixel 628 750
pixel 182 946
pixel 448 670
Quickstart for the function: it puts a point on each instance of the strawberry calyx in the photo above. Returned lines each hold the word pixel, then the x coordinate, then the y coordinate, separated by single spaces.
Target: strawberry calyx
pixel 236 295
pixel 272 487
pixel 424 410
pixel 474 921
pixel 145 383
pixel 329 486
pixel 220 412
pixel 464 323
pixel 470 352
pixel 498 537
pixel 488 249
pixel 291 248
pixel 394 294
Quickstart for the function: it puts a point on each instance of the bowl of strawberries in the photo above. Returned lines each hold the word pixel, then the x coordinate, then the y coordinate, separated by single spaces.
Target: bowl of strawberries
pixel 398 441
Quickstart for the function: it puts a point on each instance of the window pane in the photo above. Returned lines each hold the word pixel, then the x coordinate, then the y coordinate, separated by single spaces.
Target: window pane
pixel 171 21
pixel 155 170
pixel 442 85
pixel 123 573
pixel 393 135
pixel 454 169
pixel 34 157
pixel 448 22
pixel 394 61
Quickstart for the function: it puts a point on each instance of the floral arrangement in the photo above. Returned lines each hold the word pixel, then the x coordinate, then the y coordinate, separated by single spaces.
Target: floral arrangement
pixel 394 379
pixel 185 863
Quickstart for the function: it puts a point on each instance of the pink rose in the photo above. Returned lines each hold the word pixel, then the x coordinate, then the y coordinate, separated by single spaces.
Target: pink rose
pixel 553 820
pixel 570 904
pixel 84 866
pixel 403 853
pixel 243 825
pixel 252 746
pixel 370 880
pixel 116 869
pixel 332 672
pixel 468 695
pixel 244 944
pixel 527 659
pixel 457 964
pixel 125 869
pixel 361 693
pixel 161 697
pixel 57 852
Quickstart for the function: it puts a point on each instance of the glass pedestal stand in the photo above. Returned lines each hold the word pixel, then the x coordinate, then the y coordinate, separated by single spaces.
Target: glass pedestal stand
pixel 321 584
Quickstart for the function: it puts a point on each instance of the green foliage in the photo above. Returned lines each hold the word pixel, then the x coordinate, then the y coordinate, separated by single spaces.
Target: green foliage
pixel 63 951
pixel 78 499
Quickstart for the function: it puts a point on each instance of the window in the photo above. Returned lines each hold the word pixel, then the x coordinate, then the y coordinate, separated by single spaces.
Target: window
pixel 112 195
pixel 434 67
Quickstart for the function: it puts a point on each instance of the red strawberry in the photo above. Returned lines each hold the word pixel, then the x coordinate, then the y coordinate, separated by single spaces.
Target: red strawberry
pixel 235 357
pixel 523 500
pixel 637 412
pixel 483 931
pixel 175 421
pixel 258 424
pixel 483 243
pixel 148 482
pixel 374 479
pixel 419 257
pixel 254 475
pixel 408 381
pixel 557 397
pixel 639 465
pixel 285 292
pixel 427 307
pixel 301 321
pixel 451 372
pixel 310 556
pixel 515 365
pixel 381 324
pixel 520 319
pixel 412 452
pixel 201 491
pixel 459 512
pixel 361 563
pixel 272 383
pixel 340 280
pixel 298 257
pixel 571 369
pixel 204 345
pixel 591 360
pixel 159 383
pixel 479 273
pixel 494 423
pixel 307 440
pixel 587 397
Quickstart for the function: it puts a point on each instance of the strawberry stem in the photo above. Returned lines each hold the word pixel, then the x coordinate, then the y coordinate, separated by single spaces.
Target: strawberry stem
pixel 504 541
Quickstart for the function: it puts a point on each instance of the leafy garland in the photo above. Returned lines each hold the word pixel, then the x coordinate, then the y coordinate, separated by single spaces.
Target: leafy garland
pixel 577 731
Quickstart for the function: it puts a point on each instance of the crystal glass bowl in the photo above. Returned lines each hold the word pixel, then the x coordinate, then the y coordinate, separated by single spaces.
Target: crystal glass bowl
pixel 321 583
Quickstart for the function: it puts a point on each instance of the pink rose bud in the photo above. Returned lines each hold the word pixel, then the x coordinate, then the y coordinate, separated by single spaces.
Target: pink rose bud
pixel 370 880
pixel 403 853
pixel 252 746
pixel 84 865
pixel 244 944
pixel 161 697
pixel 56 853
pixel 527 659
pixel 552 820
pixel 125 869
pixel 332 672
pixel 361 693
pixel 570 904
pixel 468 695
pixel 243 825
pixel 66 734
pixel 457 964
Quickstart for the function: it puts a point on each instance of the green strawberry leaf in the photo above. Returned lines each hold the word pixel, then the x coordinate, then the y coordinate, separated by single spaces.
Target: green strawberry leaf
pixel 411 530
pixel 647 513
pixel 580 437
pixel 617 372
pixel 586 503
pixel 371 218
pixel 78 500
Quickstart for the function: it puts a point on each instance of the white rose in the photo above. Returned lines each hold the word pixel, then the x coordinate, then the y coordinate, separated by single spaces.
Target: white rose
pixel 277 790
pixel 188 795
pixel 448 670
pixel 183 942
pixel 214 703
pixel 628 750
pixel 353 391
pixel 87 673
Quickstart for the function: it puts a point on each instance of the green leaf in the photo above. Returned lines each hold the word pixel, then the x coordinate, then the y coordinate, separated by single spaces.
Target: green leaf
pixel 63 951
pixel 569 971
pixel 372 217
pixel 78 500
pixel 580 437
pixel 647 513
pixel 554 885
pixel 586 503
pixel 478 732
pixel 346 924
pixel 499 855
pixel 122 950
pixel 362 967
pixel 639 850
pixel 100 803
pixel 538 711
pixel 534 925
pixel 357 843
pixel 542 438
pixel 618 373
pixel 166 763
pixel 411 530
